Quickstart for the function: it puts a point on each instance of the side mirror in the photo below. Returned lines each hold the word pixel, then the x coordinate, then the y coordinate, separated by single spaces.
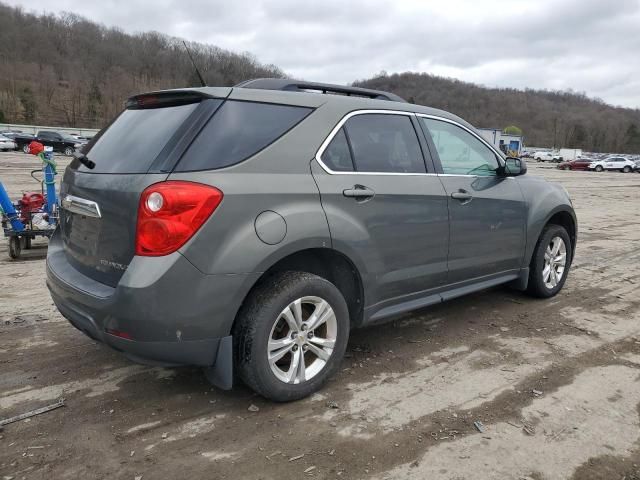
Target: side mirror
pixel 515 166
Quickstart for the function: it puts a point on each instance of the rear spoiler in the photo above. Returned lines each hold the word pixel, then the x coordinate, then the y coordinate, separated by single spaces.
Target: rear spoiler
pixel 169 98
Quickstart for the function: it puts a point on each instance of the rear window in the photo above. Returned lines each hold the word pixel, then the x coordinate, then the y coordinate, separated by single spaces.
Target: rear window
pixel 238 131
pixel 135 138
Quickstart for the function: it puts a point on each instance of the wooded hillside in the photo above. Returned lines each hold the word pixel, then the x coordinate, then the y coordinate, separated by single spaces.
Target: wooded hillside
pixel 64 70
pixel 563 119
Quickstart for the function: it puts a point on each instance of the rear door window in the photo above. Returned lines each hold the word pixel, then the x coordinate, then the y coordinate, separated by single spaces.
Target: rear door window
pixel 384 143
pixel 135 138
pixel 238 131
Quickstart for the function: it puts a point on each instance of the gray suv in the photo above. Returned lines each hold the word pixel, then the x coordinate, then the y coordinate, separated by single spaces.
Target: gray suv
pixel 247 230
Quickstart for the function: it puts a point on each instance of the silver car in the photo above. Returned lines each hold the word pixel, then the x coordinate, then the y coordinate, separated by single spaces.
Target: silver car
pixel 6 144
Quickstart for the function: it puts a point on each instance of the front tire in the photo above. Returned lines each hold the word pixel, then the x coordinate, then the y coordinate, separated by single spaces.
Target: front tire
pixel 25 148
pixel 550 262
pixel 68 151
pixel 626 169
pixel 290 336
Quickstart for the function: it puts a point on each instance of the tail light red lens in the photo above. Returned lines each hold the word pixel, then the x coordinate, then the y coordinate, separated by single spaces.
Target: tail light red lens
pixel 170 213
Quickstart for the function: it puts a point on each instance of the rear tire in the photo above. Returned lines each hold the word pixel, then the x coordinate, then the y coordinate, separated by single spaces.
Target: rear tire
pixel 550 262
pixel 279 317
pixel 25 148
pixel 599 168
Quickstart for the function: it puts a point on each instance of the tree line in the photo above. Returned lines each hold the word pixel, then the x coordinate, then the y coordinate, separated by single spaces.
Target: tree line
pixel 562 119
pixel 68 71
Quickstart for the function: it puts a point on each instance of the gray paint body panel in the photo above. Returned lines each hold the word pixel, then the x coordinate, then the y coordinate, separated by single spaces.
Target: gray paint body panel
pixel 400 235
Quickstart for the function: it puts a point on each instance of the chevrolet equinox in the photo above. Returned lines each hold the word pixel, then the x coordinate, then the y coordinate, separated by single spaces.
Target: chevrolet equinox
pixel 247 230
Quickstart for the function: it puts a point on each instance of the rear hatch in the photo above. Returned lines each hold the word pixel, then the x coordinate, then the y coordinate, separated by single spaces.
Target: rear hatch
pixel 139 148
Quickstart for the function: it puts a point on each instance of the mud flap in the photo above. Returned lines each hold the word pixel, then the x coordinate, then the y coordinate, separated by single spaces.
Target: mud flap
pixel 522 281
pixel 220 374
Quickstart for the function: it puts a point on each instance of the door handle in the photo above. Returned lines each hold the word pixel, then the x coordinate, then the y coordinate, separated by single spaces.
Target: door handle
pixel 462 195
pixel 358 191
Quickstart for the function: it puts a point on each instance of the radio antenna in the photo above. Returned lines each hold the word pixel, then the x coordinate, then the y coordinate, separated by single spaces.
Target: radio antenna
pixel 202 82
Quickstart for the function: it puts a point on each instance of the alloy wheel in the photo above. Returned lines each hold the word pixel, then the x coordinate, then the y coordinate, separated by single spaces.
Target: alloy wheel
pixel 302 340
pixel 555 260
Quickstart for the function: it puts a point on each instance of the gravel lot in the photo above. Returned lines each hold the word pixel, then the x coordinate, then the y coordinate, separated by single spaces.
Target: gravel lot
pixel 556 383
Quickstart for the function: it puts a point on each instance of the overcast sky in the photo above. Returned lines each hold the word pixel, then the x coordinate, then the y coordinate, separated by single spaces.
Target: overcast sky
pixel 586 45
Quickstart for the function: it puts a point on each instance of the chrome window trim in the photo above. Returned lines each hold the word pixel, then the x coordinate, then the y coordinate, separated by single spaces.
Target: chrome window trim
pixel 334 132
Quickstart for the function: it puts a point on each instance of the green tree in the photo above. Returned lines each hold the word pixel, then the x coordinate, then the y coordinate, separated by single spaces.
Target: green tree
pixel 632 143
pixel 29 104
pixel 512 130
pixel 94 104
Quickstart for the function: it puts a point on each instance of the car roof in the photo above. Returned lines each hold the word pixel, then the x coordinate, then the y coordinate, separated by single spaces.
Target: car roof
pixel 313 97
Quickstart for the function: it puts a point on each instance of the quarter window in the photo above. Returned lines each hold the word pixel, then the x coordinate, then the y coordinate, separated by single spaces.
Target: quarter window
pixel 337 156
pixel 238 131
pixel 460 152
pixel 384 143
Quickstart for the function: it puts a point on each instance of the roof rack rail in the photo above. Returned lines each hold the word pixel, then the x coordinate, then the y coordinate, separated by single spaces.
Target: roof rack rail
pixel 302 86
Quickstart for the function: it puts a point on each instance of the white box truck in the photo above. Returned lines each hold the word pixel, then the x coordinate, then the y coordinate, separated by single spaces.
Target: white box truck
pixel 568 154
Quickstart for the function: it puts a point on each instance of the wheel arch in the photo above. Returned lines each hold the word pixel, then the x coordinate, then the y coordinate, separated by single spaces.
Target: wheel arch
pixel 327 263
pixel 564 217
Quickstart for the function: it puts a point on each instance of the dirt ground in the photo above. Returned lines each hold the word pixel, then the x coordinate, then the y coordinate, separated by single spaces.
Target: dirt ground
pixel 555 383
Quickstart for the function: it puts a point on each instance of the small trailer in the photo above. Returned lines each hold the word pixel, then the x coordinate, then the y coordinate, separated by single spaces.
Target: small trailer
pixel 36 213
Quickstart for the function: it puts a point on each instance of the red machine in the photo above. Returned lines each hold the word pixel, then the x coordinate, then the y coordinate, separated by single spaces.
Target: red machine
pixel 31 202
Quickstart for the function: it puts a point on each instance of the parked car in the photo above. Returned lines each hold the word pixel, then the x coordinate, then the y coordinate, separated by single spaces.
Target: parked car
pixel 19 138
pixel 61 142
pixel 547 157
pixel 580 164
pixel 6 144
pixel 620 164
pixel 247 230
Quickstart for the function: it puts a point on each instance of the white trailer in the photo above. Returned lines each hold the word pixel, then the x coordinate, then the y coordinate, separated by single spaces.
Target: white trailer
pixel 567 154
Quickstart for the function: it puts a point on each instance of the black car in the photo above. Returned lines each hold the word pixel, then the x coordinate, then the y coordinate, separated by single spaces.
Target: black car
pixel 61 142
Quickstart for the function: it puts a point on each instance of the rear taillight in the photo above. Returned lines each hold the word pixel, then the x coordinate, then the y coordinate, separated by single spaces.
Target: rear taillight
pixel 170 213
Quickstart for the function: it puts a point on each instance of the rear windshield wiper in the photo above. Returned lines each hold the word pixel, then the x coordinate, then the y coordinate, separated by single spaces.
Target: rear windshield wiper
pixel 83 159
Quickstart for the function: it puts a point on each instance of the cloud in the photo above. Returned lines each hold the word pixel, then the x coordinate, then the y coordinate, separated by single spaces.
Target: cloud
pixel 585 45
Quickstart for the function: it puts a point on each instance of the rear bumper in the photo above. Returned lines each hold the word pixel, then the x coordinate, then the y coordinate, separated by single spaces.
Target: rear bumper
pixel 170 312
pixel 193 352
